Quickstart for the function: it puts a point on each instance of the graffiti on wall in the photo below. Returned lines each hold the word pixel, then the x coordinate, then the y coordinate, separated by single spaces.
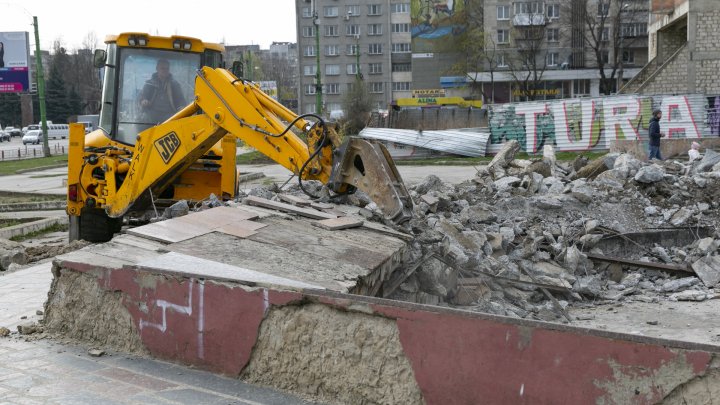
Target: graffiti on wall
pixel 587 124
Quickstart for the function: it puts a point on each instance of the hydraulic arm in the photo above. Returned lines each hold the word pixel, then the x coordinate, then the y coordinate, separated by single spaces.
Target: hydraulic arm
pixel 117 178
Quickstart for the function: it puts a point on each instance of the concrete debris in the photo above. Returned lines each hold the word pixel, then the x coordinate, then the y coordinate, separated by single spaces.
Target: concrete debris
pixel 523 226
pixel 29 328
pixel 4 331
pixel 96 352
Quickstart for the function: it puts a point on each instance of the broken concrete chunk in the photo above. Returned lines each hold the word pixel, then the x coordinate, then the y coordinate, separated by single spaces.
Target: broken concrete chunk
pixel 679 284
pixel 179 209
pixel 589 285
pixel 650 174
pixel 706 245
pixel 506 183
pixel 335 224
pixel 547 203
pixel 29 328
pixel 691 295
pixel 4 331
pixel 583 193
pixel 593 169
pixel 96 352
pixel 503 158
pixel 573 257
pixel 429 183
pixel 681 216
pixel 708 269
pixel 626 166
pixel 710 159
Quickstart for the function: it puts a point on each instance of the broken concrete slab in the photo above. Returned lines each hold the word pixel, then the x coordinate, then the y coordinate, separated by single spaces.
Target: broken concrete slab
pixel 708 269
pixel 336 224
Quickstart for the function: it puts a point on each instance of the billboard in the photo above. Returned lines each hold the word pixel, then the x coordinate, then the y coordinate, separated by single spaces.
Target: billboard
pixel 14 62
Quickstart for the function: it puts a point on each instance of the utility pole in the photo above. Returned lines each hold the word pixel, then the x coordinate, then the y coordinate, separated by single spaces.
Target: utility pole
pixel 318 83
pixel 41 88
pixel 357 57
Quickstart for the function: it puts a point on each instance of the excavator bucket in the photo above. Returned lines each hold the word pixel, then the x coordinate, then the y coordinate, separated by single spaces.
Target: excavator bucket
pixel 367 165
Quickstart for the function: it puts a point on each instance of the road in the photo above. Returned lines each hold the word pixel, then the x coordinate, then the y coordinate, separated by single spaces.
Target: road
pixel 15 148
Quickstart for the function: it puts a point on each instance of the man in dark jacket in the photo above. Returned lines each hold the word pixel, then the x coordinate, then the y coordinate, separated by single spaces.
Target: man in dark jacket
pixel 655 135
pixel 161 96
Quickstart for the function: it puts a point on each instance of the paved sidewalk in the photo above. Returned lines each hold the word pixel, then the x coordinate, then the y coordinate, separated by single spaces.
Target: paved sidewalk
pixel 44 371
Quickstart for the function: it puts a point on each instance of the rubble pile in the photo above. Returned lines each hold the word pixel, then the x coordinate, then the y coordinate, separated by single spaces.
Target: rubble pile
pixel 529 238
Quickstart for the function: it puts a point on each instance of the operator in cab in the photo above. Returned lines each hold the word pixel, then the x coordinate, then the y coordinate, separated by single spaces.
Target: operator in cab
pixel 161 97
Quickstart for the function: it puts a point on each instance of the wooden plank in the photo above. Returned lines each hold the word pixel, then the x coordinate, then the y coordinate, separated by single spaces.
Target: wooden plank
pixel 169 231
pixel 338 223
pixel 322 206
pixel 670 268
pixel 310 213
pixel 295 200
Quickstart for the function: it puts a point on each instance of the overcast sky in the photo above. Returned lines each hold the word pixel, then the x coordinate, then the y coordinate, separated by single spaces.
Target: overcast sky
pixel 238 22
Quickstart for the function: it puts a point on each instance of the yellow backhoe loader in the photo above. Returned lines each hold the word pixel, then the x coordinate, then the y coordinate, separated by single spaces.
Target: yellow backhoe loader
pixel 138 156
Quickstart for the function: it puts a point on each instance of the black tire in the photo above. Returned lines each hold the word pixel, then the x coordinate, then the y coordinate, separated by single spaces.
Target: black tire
pixel 96 226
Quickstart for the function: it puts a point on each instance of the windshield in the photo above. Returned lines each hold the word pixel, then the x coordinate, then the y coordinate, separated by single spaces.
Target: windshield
pixel 154 84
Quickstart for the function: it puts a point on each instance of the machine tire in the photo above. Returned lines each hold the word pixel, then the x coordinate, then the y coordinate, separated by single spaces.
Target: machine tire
pixel 97 226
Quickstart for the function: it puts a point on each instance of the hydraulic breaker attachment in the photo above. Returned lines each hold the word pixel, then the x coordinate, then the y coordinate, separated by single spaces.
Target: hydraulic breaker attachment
pixel 367 165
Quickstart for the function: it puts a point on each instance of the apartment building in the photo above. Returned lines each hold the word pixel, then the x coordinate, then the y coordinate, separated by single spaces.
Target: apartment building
pixel 553 49
pixel 367 38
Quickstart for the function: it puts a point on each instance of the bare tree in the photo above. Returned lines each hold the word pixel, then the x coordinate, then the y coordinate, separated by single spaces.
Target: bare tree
pixel 527 60
pixel 607 28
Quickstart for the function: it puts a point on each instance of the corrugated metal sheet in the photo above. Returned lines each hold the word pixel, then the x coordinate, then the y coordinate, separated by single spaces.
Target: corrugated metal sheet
pixel 469 142
pixel 592 124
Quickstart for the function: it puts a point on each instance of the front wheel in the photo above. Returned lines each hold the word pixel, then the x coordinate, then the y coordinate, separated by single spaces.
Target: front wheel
pixel 96 226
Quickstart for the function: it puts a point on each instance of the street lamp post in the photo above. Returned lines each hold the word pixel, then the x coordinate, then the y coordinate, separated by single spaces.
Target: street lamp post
pixel 621 51
pixel 318 83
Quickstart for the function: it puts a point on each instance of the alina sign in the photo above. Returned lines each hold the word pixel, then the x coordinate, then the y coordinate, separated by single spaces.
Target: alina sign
pixel 585 124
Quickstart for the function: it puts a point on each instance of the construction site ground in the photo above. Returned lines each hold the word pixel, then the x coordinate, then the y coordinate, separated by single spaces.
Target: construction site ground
pixel 618 309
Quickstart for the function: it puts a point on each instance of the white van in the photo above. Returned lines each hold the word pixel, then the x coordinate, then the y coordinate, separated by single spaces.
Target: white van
pixel 58 131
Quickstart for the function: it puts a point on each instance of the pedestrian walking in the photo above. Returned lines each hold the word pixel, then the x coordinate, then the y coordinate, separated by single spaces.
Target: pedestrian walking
pixel 654 134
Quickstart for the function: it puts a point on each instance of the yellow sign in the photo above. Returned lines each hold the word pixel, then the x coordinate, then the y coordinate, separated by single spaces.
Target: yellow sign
pixel 428 93
pixel 430 101
pixel 538 92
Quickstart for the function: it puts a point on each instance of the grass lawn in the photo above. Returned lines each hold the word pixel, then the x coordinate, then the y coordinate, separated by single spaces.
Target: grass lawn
pixel 9 167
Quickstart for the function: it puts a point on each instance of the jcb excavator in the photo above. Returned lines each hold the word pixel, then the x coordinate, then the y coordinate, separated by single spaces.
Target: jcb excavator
pixel 130 162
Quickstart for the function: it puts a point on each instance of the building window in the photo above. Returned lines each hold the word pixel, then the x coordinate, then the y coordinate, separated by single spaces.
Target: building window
pixel 308 32
pixel 532 7
pixel 581 87
pixel 401 67
pixel 552 58
pixel 310 108
pixel 401 86
pixel 632 30
pixel 309 70
pixel 501 60
pixel 503 36
pixel 350 87
pixel 403 8
pixel 400 28
pixel 352 49
pixel 334 106
pixel 331 30
pixel 375 68
pixel 628 56
pixel 332 88
pixel 307 12
pixel 605 56
pixel 605 34
pixel 352 30
pixel 376 87
pixel 332 50
pixel 330 11
pixel 375 49
pixel 553 34
pixel 603 9
pixel 503 12
pixel 309 50
pixel 374 9
pixel 374 29
pixel 309 89
pixel 401 48
pixel 553 11
pixel 332 70
pixel 352 69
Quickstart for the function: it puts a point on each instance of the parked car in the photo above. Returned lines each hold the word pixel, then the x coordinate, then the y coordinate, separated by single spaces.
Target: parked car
pixel 13 131
pixel 4 136
pixel 32 136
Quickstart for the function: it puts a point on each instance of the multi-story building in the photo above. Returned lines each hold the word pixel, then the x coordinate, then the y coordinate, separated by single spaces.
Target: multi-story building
pixel 684 50
pixel 368 38
pixel 554 49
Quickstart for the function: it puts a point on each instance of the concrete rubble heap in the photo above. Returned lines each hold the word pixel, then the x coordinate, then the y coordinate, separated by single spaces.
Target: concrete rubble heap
pixel 529 238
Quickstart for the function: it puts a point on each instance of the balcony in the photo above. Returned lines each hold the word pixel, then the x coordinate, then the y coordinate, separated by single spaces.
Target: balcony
pixel 528 20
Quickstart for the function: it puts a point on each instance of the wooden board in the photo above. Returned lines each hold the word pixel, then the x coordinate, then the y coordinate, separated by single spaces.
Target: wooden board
pixel 338 223
pixel 306 212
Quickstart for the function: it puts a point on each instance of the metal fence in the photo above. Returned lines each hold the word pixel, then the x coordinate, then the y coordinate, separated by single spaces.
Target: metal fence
pixel 26 152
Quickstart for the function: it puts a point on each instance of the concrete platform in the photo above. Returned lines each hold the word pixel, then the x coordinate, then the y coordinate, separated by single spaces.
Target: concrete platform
pixel 273 308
